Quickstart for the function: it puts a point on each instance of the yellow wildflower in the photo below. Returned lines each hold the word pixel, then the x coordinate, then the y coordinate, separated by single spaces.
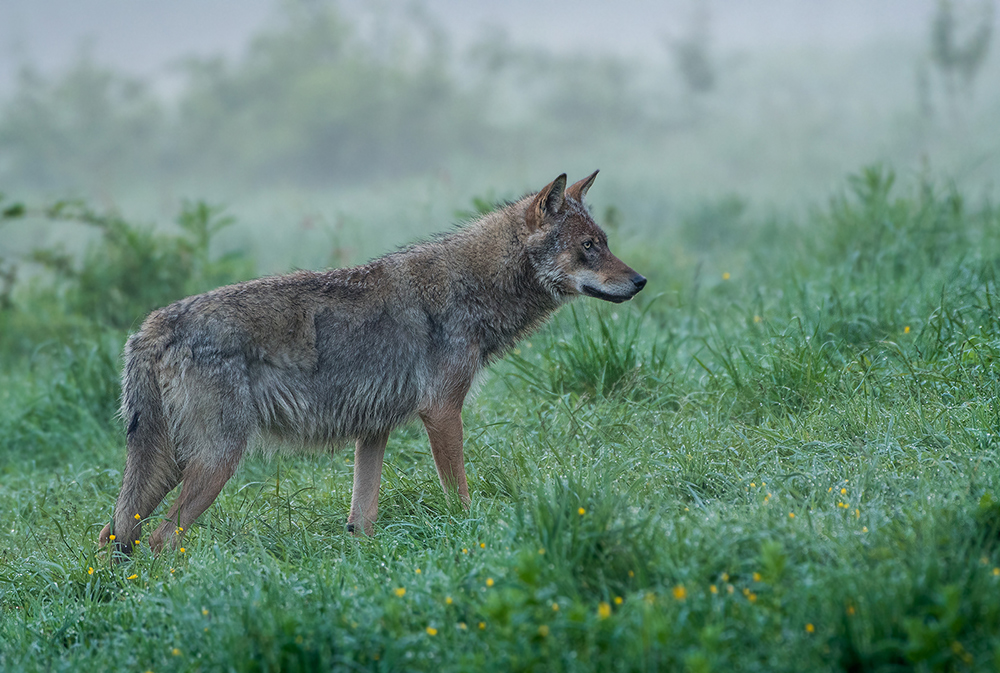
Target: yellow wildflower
pixel 400 591
pixel 714 589
pixel 489 581
pixel 543 630
pixel 791 515
pixel 447 600
pixel 603 610
pixel 176 652
pixel 581 511
pixel 618 600
pixel 90 571
pixel 137 517
pixel 810 628
pixel 418 571
pixel 555 607
pixel 756 577
pixel 680 593
pixel 133 576
pixel 725 276
pixel 431 631
pixel 482 626
pixel 112 537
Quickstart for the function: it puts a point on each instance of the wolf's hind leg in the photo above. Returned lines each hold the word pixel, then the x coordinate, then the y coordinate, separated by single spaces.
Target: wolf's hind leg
pixel 151 471
pixel 444 429
pixel 202 483
pixel 368 455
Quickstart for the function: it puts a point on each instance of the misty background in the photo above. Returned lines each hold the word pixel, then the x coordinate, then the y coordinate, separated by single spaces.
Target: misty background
pixel 334 131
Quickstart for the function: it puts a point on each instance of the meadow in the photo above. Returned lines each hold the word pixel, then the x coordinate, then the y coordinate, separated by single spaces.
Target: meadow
pixel 782 456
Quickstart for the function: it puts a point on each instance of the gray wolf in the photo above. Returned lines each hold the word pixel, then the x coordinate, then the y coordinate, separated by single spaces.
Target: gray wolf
pixel 319 358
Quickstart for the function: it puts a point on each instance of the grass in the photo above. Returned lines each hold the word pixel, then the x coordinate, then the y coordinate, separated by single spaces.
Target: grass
pixel 794 466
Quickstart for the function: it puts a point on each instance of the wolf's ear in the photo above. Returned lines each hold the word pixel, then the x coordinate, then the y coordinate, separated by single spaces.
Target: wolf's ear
pixel 578 190
pixel 548 202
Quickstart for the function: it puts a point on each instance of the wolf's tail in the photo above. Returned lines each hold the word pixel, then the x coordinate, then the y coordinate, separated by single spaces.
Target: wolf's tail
pixel 151 466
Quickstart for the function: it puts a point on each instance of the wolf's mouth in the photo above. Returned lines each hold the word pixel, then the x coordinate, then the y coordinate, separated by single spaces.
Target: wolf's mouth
pixel 597 294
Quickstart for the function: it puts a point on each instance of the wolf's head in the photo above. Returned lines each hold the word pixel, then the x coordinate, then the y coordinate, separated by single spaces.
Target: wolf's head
pixel 569 251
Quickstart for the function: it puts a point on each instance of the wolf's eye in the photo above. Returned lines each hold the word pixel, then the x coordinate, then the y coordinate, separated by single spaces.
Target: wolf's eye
pixel 587 245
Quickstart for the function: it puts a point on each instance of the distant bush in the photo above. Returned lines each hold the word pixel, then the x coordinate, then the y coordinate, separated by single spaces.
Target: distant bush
pixel 871 227
pixel 90 125
pixel 122 275
pixel 313 99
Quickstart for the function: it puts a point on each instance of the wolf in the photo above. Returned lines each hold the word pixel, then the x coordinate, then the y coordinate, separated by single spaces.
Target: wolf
pixel 322 358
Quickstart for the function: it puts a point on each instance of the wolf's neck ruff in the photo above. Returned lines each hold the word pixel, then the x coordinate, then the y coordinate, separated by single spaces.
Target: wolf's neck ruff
pixel 320 357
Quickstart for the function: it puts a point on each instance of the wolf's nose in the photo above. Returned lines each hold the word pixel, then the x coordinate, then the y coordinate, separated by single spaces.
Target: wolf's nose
pixel 639 281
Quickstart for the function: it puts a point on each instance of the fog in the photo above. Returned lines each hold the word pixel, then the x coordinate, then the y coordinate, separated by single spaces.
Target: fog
pixel 146 38
pixel 352 110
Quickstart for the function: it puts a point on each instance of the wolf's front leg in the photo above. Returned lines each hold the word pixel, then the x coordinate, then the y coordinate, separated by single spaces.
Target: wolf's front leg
pixel 368 454
pixel 444 429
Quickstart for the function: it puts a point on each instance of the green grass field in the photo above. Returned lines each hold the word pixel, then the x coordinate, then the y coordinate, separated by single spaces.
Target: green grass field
pixel 783 456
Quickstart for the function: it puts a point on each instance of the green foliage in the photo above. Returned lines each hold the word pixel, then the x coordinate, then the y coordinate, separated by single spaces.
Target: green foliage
pixel 125 272
pixel 132 270
pixel 792 467
pixel 900 235
pixel 593 353
pixel 67 409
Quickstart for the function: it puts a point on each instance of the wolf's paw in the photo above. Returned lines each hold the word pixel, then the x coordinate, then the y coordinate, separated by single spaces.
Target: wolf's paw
pixel 105 536
pixel 357 530
pixel 166 535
